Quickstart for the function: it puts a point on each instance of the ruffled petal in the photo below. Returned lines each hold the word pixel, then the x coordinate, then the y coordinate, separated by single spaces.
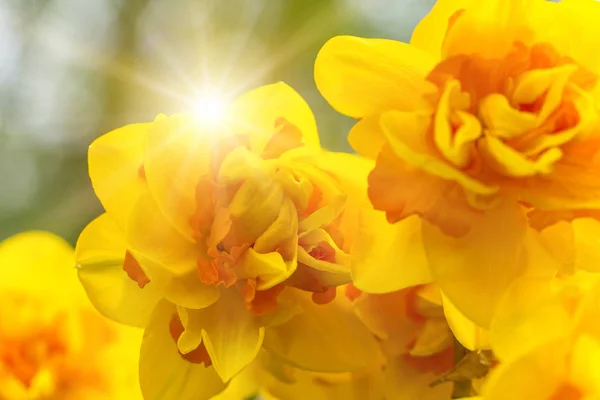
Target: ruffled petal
pixel 257 113
pixel 361 77
pixel 438 201
pixel 164 374
pixel 100 255
pixel 405 133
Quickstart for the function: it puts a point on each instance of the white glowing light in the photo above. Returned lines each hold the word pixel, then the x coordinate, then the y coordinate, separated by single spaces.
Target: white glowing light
pixel 210 108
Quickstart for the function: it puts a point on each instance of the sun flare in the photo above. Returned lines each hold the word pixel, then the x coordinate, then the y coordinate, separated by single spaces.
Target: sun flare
pixel 210 107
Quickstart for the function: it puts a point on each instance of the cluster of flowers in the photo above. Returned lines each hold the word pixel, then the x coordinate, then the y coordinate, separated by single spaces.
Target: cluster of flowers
pixel 456 256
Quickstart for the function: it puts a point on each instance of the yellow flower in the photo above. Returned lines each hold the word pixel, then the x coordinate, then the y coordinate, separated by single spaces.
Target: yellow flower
pixel 486 127
pixel 547 339
pixel 53 344
pixel 222 239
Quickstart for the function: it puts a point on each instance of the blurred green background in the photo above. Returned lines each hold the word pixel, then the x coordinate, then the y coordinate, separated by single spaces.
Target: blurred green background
pixel 71 70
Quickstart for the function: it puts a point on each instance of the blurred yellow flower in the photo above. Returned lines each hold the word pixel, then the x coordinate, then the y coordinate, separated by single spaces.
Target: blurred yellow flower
pixel 222 238
pixel 486 127
pixel 53 344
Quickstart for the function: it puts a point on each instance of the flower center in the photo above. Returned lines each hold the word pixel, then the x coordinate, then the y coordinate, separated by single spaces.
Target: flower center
pixel 500 119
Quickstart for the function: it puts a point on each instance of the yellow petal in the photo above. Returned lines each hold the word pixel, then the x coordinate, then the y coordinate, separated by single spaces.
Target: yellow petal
pixel 585 358
pixel 270 267
pixel 246 384
pixel 332 202
pixel 189 291
pixel 455 144
pixel 471 336
pixel 115 161
pixel 430 33
pixel 386 316
pixel 475 271
pixel 100 254
pixel 503 119
pixel 388 257
pixel 282 229
pixel 157 245
pixel 366 137
pixel 232 335
pixel 530 314
pixel 255 207
pixel 550 82
pixel 178 154
pixel 240 164
pixel 257 111
pixel 361 77
pixel 329 273
pixel 587 289
pixel 164 374
pixel 296 186
pixel 191 337
pixel 167 258
pixel 546 363
pixel 587 244
pixel 327 338
pixel 434 338
pixel 575 23
pixel 509 162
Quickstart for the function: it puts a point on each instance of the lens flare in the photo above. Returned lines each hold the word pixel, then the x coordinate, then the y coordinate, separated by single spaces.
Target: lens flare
pixel 210 108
